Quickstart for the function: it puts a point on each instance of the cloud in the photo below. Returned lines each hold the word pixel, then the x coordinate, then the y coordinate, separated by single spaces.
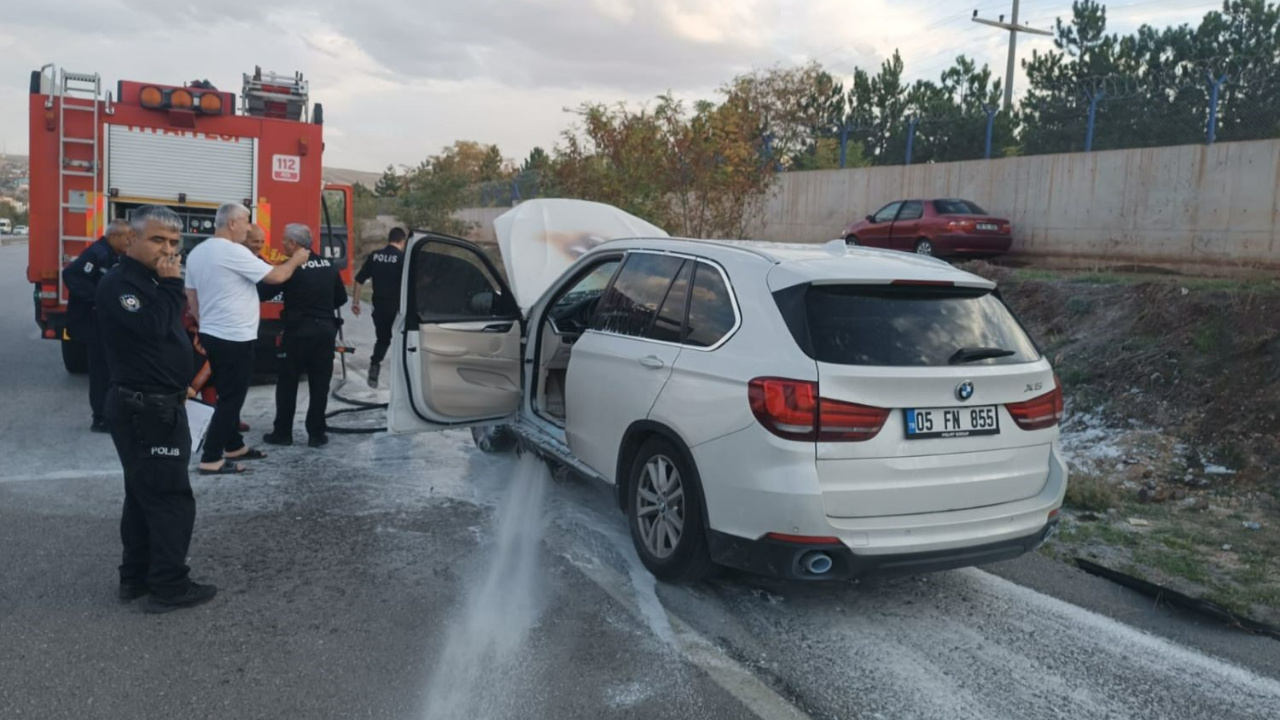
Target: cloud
pixel 402 78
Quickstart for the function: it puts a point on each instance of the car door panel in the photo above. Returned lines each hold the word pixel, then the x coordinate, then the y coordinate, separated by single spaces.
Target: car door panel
pixel 612 381
pixel 878 231
pixel 618 368
pixel 906 227
pixel 455 355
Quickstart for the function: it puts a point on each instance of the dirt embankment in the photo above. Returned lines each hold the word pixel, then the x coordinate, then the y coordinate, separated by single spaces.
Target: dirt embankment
pixel 1173 428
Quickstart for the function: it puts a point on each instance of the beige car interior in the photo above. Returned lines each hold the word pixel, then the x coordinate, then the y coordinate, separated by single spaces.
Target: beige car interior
pixel 469 361
pixel 564 324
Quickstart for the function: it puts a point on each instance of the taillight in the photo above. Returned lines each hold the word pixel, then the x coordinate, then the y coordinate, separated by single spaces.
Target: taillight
pixel 1006 229
pixel 786 408
pixel 848 422
pixel 791 409
pixel 1040 412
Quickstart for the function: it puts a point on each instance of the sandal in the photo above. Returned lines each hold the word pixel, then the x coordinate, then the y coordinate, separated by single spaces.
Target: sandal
pixel 250 454
pixel 228 468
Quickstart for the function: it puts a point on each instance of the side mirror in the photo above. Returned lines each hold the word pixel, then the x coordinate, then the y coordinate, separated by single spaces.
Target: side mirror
pixel 482 303
pixel 871 218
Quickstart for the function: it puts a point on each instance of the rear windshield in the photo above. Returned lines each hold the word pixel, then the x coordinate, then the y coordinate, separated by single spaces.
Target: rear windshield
pixel 957 207
pixel 904 326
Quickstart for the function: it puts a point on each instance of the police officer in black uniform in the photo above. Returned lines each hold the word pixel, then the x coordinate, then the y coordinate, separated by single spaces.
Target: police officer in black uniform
pixel 310 328
pixel 384 267
pixel 140 304
pixel 81 278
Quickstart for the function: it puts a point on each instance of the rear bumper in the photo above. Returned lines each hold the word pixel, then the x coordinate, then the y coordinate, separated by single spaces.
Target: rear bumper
pixel 785 560
pixel 755 484
pixel 965 244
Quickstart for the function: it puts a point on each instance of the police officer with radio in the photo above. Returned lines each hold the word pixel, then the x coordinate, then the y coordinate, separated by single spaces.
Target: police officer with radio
pixel 310 329
pixel 81 278
pixel 140 304
pixel 384 268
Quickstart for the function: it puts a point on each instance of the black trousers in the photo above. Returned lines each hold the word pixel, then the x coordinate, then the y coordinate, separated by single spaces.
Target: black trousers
pixel 232 367
pixel 307 350
pixel 153 442
pixel 383 319
pixel 85 330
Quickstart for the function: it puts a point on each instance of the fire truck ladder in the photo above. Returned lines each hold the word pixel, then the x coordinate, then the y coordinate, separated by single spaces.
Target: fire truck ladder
pixel 77 92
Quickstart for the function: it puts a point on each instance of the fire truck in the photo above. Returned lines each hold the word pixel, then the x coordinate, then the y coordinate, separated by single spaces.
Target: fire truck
pixel 97 157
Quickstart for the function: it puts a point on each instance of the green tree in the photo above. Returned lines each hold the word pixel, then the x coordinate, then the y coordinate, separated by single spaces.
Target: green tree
pixel 389 184
pixel 538 161
pixel 698 173
pixel 491 165
pixel 432 192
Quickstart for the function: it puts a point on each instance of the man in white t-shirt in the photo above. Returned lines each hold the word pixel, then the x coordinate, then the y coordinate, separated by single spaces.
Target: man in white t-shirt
pixel 221 282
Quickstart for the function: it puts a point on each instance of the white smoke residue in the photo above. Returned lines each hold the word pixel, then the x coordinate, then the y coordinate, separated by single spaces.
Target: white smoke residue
pixel 473 673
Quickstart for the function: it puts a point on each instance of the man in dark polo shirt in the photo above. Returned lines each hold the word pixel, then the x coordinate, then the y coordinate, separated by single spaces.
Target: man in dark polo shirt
pixel 310 331
pixel 384 268
pixel 139 306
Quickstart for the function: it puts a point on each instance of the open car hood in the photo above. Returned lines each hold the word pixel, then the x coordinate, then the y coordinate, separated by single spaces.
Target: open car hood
pixel 540 239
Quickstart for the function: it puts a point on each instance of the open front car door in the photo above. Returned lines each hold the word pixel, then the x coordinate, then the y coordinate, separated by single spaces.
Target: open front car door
pixel 455 354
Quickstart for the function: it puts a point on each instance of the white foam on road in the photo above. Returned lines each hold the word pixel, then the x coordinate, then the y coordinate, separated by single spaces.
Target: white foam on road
pixel 1201 673
pixel 484 643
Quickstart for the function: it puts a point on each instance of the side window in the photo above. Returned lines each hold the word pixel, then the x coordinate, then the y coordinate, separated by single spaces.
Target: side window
pixel 630 305
pixel 333 227
pixel 668 326
pixel 888 213
pixel 913 210
pixel 711 314
pixel 452 282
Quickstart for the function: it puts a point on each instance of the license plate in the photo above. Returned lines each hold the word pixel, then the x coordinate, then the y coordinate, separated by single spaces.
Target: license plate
pixel 988 226
pixel 952 422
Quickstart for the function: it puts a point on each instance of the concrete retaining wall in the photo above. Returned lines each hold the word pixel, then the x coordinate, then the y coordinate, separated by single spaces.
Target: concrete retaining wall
pixel 1188 205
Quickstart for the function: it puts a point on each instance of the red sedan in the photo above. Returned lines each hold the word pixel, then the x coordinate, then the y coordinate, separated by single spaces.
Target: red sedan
pixel 943 227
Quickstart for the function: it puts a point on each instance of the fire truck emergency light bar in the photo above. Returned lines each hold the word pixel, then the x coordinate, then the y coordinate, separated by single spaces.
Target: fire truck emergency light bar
pixel 154 98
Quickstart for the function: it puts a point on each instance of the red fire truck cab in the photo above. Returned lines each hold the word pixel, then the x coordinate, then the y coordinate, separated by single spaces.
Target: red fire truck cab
pixel 97 158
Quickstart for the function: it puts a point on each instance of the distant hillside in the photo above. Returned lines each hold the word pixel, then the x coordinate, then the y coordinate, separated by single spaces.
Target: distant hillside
pixel 351 177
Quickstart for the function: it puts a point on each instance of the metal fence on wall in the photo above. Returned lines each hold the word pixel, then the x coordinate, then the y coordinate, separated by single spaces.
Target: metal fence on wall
pixel 1109 113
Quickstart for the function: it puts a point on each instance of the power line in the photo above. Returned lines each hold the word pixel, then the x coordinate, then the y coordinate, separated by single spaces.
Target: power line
pixel 1014 28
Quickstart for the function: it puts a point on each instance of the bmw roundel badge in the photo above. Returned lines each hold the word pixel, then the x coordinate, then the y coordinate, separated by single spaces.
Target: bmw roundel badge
pixel 964 390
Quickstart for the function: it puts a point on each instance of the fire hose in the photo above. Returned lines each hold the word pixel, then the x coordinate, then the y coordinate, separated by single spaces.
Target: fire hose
pixel 358 405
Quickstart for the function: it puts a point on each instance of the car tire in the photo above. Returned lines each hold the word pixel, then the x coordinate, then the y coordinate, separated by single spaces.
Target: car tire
pixel 850 239
pixel 494 438
pixel 664 510
pixel 924 246
pixel 75 357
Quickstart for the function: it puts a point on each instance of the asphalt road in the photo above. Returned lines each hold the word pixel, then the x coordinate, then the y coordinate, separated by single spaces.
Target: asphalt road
pixel 413 577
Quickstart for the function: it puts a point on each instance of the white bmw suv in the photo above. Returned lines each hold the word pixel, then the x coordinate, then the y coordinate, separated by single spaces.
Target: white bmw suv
pixel 802 411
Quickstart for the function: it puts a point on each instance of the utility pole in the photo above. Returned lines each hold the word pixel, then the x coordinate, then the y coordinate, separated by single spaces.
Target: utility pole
pixel 1014 28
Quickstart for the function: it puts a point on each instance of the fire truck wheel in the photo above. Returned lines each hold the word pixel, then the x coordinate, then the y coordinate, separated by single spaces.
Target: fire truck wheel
pixel 75 357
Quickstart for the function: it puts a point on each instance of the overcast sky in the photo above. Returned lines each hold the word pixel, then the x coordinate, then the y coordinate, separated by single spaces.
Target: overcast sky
pixel 399 79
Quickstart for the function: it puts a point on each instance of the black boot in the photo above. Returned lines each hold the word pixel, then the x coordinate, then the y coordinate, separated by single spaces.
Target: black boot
pixel 195 594
pixel 375 369
pixel 276 438
pixel 132 591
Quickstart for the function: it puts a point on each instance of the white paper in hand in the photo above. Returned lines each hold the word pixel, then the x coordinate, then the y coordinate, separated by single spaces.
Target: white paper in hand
pixel 198 416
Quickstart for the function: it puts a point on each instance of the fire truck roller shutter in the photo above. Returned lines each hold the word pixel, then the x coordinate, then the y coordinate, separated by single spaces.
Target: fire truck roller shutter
pixel 147 164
